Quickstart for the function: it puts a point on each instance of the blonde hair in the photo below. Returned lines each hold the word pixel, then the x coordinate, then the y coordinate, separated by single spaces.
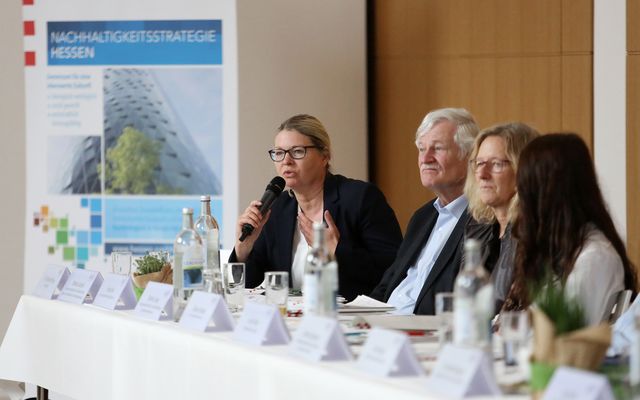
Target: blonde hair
pixel 516 136
pixel 311 127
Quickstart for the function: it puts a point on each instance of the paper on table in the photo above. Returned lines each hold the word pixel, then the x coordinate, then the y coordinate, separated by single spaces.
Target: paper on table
pixel 364 303
pixel 402 322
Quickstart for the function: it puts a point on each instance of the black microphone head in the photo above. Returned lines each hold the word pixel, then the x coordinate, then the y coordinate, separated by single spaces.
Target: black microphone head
pixel 276 185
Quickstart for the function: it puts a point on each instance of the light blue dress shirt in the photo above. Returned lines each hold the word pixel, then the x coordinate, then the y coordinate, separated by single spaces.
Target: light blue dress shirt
pixel 404 297
pixel 624 330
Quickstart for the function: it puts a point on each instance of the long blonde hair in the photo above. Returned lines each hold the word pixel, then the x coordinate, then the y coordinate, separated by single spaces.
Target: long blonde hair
pixel 516 136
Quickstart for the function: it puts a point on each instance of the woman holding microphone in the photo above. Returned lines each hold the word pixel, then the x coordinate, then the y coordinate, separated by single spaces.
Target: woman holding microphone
pixel 362 230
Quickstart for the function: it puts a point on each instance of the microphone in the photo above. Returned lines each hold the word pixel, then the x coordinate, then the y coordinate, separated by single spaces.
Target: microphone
pixel 271 193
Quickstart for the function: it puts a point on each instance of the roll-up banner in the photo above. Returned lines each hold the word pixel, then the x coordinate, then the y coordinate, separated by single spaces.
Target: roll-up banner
pixel 131 111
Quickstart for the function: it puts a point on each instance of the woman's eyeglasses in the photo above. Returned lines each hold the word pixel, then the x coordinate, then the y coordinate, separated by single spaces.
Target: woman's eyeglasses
pixel 296 152
pixel 495 165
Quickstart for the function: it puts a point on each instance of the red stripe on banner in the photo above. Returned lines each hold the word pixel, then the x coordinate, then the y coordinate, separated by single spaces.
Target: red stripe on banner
pixel 29 58
pixel 27 2
pixel 29 28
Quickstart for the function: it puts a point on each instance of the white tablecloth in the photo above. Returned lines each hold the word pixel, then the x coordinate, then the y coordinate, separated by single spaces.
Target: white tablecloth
pixel 89 353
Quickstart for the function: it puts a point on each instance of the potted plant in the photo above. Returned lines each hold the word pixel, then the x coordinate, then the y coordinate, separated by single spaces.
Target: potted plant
pixel 561 336
pixel 152 267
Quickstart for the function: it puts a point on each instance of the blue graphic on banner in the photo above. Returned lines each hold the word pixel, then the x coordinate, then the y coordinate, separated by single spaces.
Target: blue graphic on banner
pixel 150 220
pixel 197 42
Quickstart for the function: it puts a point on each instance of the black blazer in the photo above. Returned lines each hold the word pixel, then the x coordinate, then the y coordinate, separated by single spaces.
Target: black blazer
pixel 369 236
pixel 444 271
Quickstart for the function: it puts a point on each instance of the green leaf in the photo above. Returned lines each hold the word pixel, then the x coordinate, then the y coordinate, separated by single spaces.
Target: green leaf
pixel 150 263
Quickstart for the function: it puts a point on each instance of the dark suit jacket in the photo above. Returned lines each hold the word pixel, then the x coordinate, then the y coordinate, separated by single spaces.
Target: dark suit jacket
pixel 444 271
pixel 369 236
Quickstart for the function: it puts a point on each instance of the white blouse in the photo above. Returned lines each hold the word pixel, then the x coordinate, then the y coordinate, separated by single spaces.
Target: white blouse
pixel 300 250
pixel 597 276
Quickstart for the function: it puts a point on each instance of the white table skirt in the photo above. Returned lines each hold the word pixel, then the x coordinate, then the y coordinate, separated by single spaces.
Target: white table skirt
pixel 89 353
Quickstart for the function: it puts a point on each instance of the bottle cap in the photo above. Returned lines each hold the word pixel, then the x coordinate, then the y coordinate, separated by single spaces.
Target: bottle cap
pixel 205 198
pixel 187 210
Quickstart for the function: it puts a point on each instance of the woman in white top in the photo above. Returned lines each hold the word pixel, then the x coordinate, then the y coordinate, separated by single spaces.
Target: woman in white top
pixel 563 225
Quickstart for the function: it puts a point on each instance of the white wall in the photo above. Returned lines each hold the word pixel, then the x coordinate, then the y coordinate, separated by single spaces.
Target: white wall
pixel 12 159
pixel 300 56
pixel 609 105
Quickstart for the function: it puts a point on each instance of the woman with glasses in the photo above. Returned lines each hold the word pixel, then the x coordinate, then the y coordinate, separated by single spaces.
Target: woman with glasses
pixel 563 228
pixel 491 190
pixel 362 230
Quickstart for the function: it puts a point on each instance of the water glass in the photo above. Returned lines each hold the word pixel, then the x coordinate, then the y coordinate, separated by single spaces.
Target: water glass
pixel 212 279
pixel 121 262
pixel 233 283
pixel 444 313
pixel 277 289
pixel 514 328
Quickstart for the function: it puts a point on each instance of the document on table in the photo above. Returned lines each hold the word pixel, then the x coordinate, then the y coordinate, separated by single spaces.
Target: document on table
pixel 402 322
pixel 365 304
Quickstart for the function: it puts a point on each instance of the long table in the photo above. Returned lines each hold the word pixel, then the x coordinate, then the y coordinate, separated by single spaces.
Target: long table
pixel 89 353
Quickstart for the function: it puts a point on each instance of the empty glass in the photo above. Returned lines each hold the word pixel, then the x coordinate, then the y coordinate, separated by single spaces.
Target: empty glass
pixel 213 281
pixel 233 283
pixel 277 289
pixel 514 328
pixel 444 312
pixel 121 262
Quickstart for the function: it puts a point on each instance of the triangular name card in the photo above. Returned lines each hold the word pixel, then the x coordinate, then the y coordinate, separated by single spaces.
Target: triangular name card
pixel 156 302
pixel 52 280
pixel 575 384
pixel 320 339
pixel 463 372
pixel 116 292
pixel 82 286
pixel 389 353
pixel 261 324
pixel 203 309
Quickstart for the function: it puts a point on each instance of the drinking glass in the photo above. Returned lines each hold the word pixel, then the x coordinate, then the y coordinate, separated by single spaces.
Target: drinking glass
pixel 233 283
pixel 444 312
pixel 121 262
pixel 514 328
pixel 277 289
pixel 212 279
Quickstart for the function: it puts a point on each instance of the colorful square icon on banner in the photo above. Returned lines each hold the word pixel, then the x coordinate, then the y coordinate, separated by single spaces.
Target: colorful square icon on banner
pixel 62 237
pixel 96 237
pixel 29 28
pixel 82 237
pixel 29 58
pixel 69 253
pixel 96 206
pixel 82 253
pixel 84 202
pixel 96 221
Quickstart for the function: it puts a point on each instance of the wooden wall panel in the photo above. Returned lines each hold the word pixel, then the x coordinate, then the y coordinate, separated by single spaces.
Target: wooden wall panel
pixel 577 98
pixel 577 26
pixel 503 60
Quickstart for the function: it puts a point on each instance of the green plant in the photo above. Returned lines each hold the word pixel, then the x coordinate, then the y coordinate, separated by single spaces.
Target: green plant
pixel 566 313
pixel 151 263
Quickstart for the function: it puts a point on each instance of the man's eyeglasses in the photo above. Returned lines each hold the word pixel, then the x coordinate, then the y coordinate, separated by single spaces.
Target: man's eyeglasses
pixel 495 165
pixel 296 152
